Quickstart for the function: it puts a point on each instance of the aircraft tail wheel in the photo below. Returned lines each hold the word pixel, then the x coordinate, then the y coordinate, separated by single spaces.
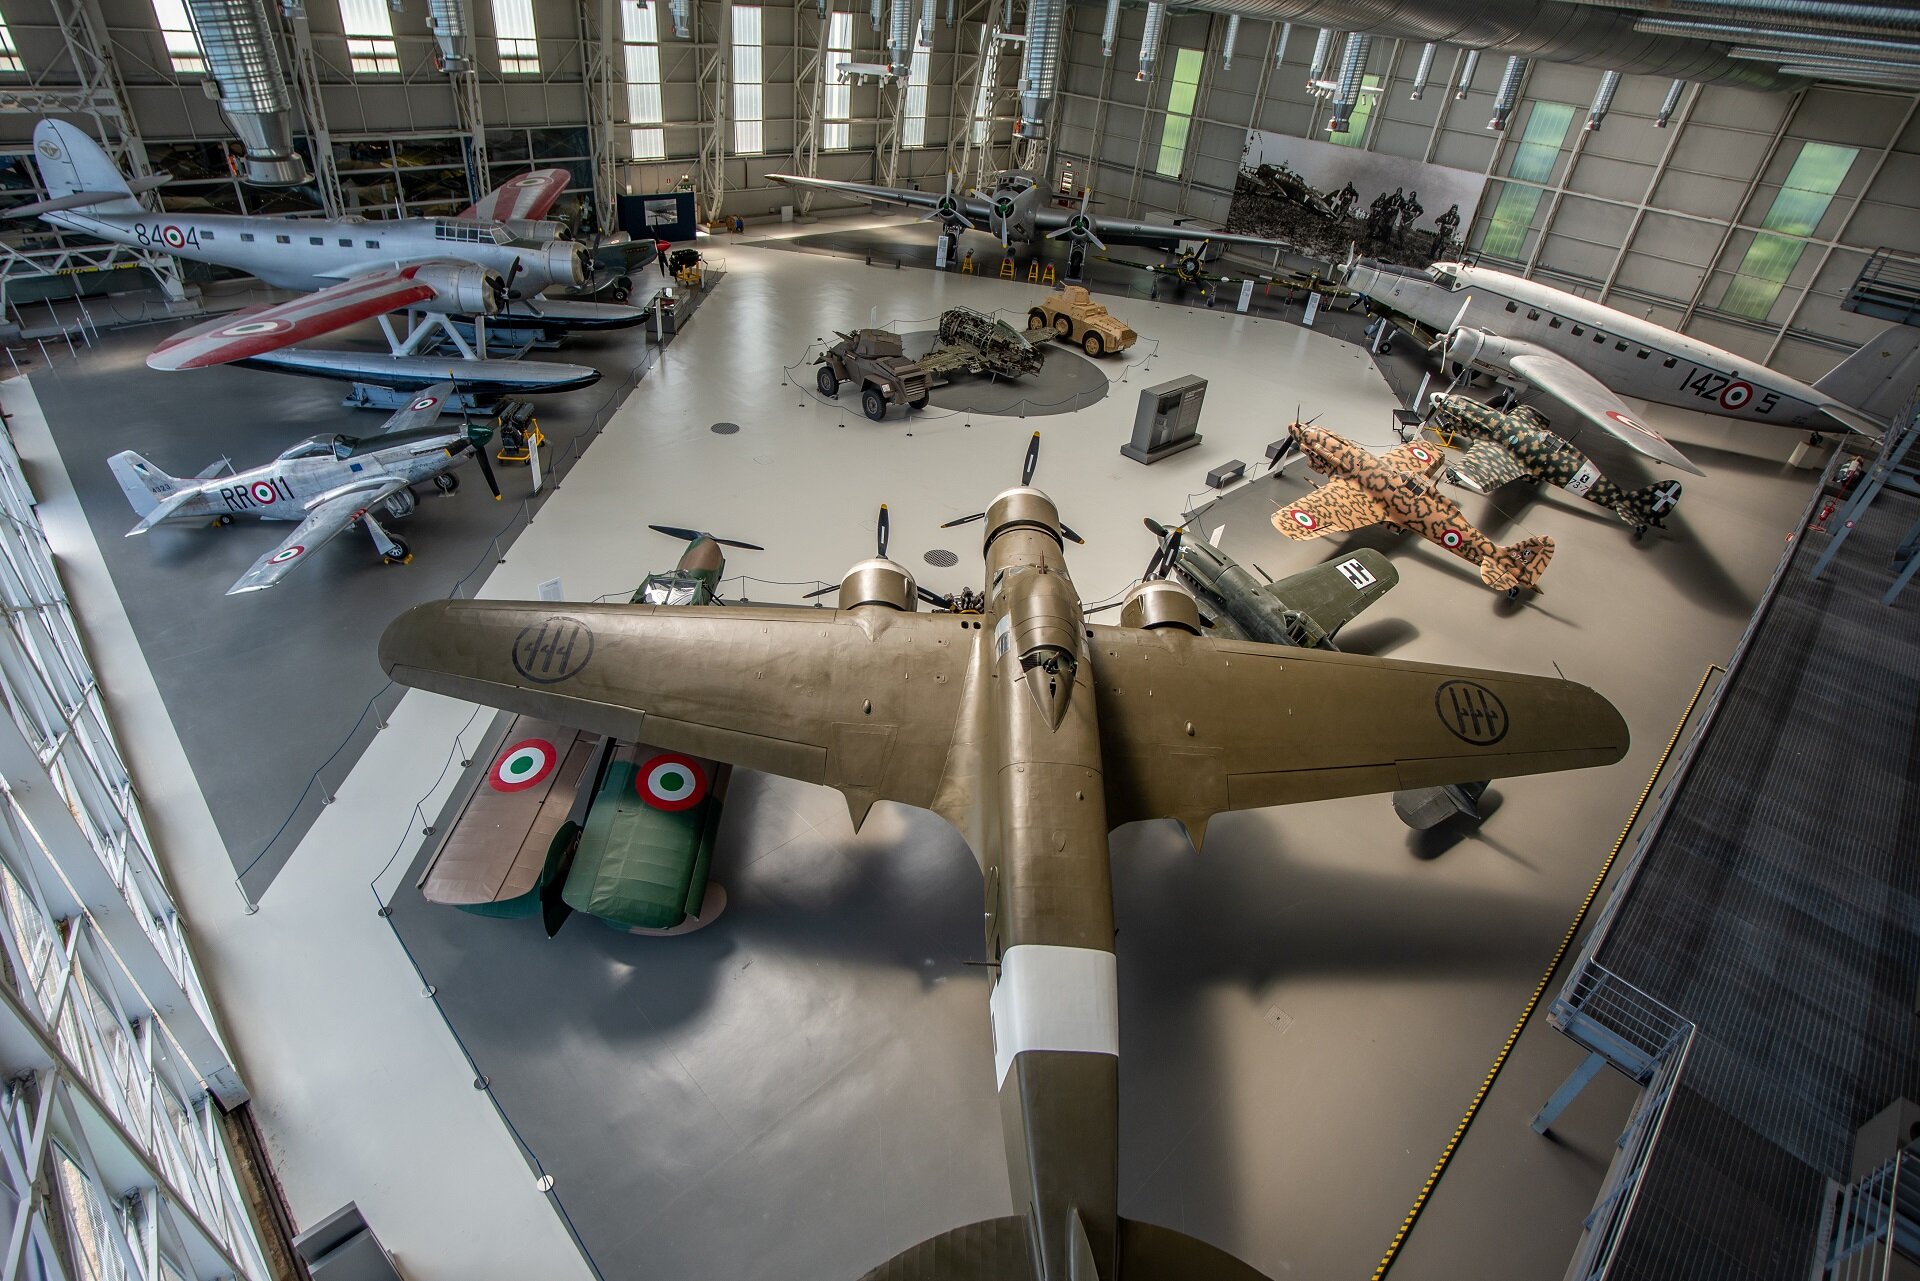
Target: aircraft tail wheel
pixel 1639 532
pixel 829 383
pixel 399 554
pixel 1513 593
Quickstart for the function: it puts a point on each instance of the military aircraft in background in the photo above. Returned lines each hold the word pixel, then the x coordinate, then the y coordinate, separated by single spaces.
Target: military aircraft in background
pixel 1395 488
pixel 570 820
pixel 1303 609
pixel 494 261
pixel 1014 212
pixel 1517 445
pixel 1587 355
pixel 1035 733
pixel 327 483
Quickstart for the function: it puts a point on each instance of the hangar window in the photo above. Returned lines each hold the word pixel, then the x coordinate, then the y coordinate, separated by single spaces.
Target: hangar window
pixel 1356 134
pixel 176 32
pixel 747 137
pixel 645 136
pixel 519 46
pixel 368 25
pixel 1178 124
pixel 838 134
pixel 913 129
pixel 1797 210
pixel 1532 164
pixel 9 52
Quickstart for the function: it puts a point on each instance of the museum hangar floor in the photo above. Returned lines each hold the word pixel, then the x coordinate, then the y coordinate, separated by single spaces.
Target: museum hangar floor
pixel 803 1088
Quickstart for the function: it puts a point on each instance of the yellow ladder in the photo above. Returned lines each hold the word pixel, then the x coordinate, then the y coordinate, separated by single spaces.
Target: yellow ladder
pixel 1006 269
pixel 1047 276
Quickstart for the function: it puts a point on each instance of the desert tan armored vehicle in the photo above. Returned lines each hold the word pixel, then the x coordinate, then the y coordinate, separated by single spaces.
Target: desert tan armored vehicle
pixel 874 361
pixel 1072 314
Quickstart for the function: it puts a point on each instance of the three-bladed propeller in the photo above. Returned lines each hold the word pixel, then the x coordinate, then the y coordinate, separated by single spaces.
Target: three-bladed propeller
pixel 882 535
pixel 1026 478
pixel 1080 226
pixel 949 210
pixel 689 535
pixel 1166 554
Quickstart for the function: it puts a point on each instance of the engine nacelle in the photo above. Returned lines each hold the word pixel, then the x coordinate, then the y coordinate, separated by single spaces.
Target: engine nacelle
pixel 1160 602
pixel 535 229
pixel 464 290
pixel 885 583
pixel 1465 345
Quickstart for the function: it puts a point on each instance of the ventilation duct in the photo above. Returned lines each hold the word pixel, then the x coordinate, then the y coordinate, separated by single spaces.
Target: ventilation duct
pixel 452 26
pixel 1150 37
pixel 1828 15
pixel 1508 93
pixel 1832 61
pixel 1233 36
pixel 1280 48
pixel 681 11
pixel 1778 38
pixel 1110 32
pixel 1471 65
pixel 1040 64
pixel 1666 107
pixel 1422 72
pixel 1602 100
pixel 1887 79
pixel 1322 46
pixel 926 24
pixel 244 64
pixel 900 37
pixel 1346 92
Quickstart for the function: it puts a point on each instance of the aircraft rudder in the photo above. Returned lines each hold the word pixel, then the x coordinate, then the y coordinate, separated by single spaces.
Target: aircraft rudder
pixel 69 161
pixel 1880 374
pixel 144 484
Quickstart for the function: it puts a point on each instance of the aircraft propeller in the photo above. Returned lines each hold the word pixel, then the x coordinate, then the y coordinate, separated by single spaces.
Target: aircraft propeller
pixel 949 211
pixel 1167 554
pixel 519 265
pixel 1080 226
pixel 689 535
pixel 1026 478
pixel 486 464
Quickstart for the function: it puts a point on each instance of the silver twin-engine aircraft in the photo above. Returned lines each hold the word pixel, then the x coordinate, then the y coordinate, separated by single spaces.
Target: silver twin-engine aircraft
pixel 1587 355
pixel 495 260
pixel 326 483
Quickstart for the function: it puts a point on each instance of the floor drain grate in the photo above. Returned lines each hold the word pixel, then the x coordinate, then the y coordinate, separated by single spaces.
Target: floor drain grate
pixel 724 429
pixel 941 558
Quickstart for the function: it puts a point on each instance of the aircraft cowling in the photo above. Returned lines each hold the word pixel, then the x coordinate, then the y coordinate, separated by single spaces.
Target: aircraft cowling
pixel 885 583
pixel 1464 346
pixel 465 290
pixel 1160 602
pixel 541 229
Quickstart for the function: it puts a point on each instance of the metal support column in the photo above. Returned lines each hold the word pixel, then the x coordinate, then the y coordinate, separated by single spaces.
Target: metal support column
pixel 600 40
pixel 1653 184
pixel 811 24
pixel 710 170
pixel 313 111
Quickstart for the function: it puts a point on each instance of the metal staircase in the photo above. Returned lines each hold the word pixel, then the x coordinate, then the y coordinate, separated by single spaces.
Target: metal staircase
pixel 1887 287
pixel 1876 1221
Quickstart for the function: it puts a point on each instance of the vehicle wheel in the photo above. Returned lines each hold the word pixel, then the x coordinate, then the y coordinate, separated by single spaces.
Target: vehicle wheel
pixel 1093 345
pixel 874 404
pixel 401 551
pixel 1036 319
pixel 446 482
pixel 1386 346
pixel 1063 325
pixel 918 404
pixel 829 384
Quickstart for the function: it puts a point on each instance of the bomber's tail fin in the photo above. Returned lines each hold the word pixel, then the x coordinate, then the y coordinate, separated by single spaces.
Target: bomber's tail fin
pixel 1649 505
pixel 72 165
pixel 1511 568
pixel 996 1250
pixel 1877 378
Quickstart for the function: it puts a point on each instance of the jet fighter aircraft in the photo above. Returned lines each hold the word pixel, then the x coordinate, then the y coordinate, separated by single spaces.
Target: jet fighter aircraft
pixel 1014 213
pixel 1517 444
pixel 327 483
pixel 1586 355
pixel 495 260
pixel 1396 488
pixel 1035 733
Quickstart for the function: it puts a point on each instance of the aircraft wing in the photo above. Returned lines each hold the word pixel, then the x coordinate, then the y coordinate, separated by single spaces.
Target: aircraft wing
pixel 1273 726
pixel 523 199
pixel 263 329
pixel 1415 456
pixel 421 412
pixel 865 701
pixel 1333 595
pixel 328 516
pixel 972 206
pixel 1587 396
pixel 1485 468
pixel 1335 506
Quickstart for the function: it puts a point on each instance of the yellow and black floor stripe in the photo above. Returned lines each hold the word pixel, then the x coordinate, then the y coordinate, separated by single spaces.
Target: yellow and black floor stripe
pixel 1540 988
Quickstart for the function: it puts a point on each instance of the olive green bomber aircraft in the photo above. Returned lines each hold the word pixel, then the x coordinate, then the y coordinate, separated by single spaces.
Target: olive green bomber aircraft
pixel 1035 733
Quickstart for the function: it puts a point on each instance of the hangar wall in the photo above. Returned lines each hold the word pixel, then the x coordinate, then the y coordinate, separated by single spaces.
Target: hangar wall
pixel 1683 201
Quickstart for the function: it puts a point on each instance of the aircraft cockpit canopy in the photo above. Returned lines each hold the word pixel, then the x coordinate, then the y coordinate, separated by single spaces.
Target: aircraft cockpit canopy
pixel 330 446
pixel 467 231
pixel 671 588
pixel 1445 275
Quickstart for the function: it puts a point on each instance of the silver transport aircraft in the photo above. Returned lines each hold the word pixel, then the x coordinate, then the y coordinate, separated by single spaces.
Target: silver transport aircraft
pixel 494 260
pixel 326 483
pixel 1587 355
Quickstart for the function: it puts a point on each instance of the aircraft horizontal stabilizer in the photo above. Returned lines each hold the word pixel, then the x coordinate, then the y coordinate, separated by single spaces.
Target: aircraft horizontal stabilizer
pixel 165 508
pixel 87 199
pixel 1333 594
pixel 996 1250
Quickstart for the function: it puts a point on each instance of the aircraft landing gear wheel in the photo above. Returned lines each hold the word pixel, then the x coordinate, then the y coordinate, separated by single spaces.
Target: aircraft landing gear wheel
pixel 1063 326
pixel 873 404
pixel 446 482
pixel 1386 346
pixel 400 554
pixel 622 290
pixel 829 384
pixel 1513 593
pixel 225 519
pixel 1036 319
pixel 1093 345
pixel 1639 532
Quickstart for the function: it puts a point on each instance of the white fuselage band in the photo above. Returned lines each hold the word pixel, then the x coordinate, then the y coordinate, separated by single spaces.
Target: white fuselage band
pixel 1054 998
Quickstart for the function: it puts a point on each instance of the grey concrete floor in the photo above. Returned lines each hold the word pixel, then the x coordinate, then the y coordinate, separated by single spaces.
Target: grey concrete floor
pixel 265 687
pixel 801 1088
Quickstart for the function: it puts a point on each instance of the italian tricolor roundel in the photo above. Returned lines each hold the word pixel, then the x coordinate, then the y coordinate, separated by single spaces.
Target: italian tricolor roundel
pixel 1450 537
pixel 521 766
pixel 1420 452
pixel 671 781
pixel 1304 519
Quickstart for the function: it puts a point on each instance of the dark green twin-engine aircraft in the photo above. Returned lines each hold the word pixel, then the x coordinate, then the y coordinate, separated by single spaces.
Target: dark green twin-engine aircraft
pixel 1035 733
